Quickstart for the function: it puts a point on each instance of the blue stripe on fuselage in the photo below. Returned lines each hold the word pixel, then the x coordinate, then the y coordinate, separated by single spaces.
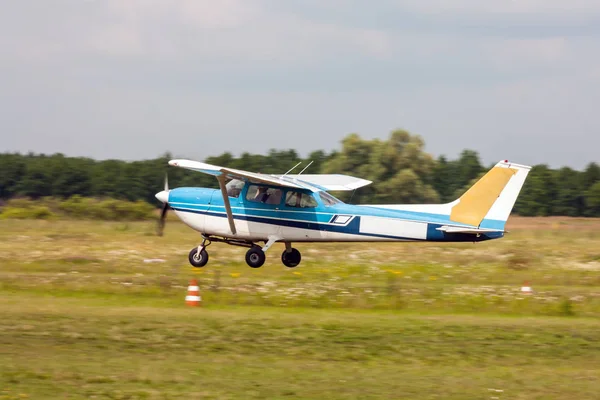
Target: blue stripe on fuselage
pixel 209 202
pixel 353 227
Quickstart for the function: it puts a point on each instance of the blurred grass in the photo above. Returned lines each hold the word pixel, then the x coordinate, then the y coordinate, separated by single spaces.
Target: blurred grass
pixel 96 310
pixel 58 348
pixel 557 257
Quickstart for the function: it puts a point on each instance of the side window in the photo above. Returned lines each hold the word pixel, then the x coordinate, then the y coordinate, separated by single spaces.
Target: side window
pixel 328 199
pixel 263 194
pixel 234 187
pixel 301 200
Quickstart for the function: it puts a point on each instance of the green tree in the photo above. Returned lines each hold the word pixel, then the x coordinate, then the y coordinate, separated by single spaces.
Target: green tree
pixel 538 193
pixel 12 171
pixel 106 179
pixel 467 167
pixel 406 187
pixel 37 177
pixel 442 179
pixel 71 177
pixel 592 200
pixel 400 169
pixel 591 175
pixel 569 199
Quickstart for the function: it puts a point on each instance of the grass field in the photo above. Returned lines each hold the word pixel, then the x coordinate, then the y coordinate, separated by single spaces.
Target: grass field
pixel 96 310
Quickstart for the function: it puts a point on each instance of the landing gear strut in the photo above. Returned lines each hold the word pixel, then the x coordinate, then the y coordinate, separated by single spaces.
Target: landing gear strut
pixel 255 256
pixel 198 255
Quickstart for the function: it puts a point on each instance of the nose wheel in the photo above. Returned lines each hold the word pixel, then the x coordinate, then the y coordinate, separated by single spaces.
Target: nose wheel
pixel 198 255
pixel 198 258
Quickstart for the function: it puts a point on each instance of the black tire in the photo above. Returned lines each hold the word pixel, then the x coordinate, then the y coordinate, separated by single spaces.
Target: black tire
pixel 255 257
pixel 198 261
pixel 291 259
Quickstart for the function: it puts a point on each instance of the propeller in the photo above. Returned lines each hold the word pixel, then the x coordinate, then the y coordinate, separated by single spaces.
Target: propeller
pixel 164 197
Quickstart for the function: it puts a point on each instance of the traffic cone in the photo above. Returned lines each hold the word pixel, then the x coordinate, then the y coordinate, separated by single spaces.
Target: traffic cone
pixel 526 288
pixel 193 296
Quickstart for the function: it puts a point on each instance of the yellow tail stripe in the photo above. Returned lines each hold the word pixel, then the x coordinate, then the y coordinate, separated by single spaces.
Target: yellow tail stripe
pixel 477 201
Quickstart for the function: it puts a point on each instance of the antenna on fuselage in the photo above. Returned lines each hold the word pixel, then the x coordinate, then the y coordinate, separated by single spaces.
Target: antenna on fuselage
pixel 292 169
pixel 305 168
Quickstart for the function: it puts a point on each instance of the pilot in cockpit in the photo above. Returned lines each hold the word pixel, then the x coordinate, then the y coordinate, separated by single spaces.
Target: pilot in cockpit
pixel 261 194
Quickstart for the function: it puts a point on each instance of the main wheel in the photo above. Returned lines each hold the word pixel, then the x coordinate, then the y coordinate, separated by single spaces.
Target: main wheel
pixel 255 257
pixel 291 259
pixel 198 260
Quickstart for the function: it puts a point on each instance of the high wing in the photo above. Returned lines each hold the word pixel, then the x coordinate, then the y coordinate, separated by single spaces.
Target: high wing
pixel 223 173
pixel 331 181
pixel 234 173
pixel 314 182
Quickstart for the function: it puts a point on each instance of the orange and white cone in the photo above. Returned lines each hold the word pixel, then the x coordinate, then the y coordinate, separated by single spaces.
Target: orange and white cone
pixel 526 288
pixel 193 296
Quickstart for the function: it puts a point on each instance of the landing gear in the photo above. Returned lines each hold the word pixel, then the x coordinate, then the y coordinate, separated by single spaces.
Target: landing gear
pixel 198 255
pixel 290 257
pixel 255 257
pixel 198 258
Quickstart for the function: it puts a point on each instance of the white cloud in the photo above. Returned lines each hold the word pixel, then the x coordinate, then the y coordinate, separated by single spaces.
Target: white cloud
pixel 235 29
pixel 106 71
pixel 115 39
pixel 491 7
pixel 222 14
pixel 213 31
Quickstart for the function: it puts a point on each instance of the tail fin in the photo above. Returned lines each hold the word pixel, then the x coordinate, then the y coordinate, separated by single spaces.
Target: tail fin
pixel 488 203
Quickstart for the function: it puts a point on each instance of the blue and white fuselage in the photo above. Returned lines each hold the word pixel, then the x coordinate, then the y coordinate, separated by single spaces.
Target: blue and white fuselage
pixel 249 208
pixel 203 210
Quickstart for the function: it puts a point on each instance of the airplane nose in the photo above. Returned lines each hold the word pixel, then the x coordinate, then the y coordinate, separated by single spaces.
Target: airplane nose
pixel 162 196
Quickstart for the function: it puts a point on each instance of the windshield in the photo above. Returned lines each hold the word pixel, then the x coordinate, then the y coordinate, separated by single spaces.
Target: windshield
pixel 234 187
pixel 328 199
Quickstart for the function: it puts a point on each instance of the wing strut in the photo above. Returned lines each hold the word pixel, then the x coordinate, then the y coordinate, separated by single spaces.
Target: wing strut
pixel 221 178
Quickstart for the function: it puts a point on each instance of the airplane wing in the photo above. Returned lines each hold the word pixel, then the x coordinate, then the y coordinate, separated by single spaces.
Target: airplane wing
pixel 312 182
pixel 331 181
pixel 234 173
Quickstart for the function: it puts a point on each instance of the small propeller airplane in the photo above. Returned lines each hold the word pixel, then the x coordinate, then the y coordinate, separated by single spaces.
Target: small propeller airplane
pixel 249 208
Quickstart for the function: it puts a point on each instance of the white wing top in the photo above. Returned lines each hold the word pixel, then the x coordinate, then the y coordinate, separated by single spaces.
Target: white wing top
pixel 312 182
pixel 332 181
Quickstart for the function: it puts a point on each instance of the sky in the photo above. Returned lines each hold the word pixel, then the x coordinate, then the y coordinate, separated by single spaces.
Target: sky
pixel 133 79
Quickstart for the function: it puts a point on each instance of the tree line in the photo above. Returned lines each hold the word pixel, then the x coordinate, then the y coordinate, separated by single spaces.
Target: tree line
pixel 401 171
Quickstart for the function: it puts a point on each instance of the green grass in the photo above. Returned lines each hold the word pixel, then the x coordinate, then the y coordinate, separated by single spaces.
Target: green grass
pixel 60 348
pixel 81 258
pixel 82 315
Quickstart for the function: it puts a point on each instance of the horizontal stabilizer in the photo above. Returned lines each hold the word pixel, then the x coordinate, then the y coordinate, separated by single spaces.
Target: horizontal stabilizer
pixel 460 229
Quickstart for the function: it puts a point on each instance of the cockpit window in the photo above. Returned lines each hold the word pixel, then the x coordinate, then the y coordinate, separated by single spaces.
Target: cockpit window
pixel 263 194
pixel 298 199
pixel 328 199
pixel 234 187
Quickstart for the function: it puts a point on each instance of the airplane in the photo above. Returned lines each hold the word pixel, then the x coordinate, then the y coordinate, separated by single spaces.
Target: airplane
pixel 250 208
